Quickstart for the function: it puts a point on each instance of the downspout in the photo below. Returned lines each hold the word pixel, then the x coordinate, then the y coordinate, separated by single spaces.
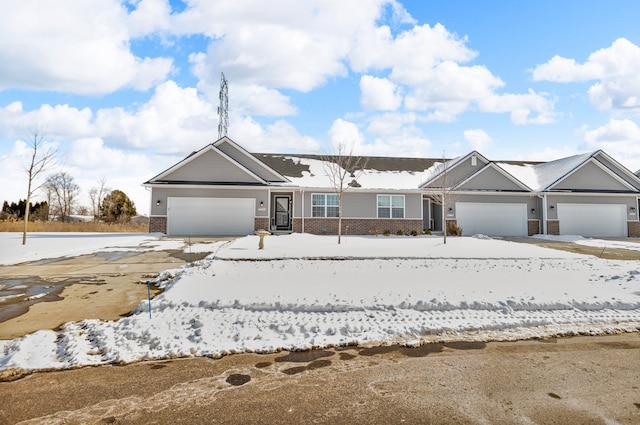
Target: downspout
pixel 544 213
pixel 302 212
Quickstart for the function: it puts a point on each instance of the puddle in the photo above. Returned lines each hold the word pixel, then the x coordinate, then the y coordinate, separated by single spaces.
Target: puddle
pixel 116 255
pixel 462 345
pixel 238 379
pixel 18 294
pixel 46 261
pixel 304 356
pixel 421 351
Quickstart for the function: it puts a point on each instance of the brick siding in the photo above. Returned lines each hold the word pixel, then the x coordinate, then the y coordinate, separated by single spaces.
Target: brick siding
pixel 533 227
pixel 357 226
pixel 553 227
pixel 633 229
pixel 261 223
pixel 157 224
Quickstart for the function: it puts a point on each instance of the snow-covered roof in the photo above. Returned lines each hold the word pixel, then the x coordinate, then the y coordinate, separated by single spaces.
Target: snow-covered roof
pixel 308 171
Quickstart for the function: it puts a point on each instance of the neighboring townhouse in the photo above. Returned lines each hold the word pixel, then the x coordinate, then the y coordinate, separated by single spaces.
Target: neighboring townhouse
pixel 224 190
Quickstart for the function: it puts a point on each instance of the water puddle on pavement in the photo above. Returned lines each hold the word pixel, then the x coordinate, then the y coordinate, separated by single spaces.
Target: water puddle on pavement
pixel 18 294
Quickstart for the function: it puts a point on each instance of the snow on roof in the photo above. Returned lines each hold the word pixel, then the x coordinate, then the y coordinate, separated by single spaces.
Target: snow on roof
pixel 316 176
pixel 525 173
pixel 541 176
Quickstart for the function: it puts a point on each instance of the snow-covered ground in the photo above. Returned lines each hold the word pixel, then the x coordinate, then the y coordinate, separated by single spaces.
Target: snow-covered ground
pixel 306 291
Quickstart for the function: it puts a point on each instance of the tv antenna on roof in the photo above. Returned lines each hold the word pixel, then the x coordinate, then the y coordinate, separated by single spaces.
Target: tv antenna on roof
pixel 223 109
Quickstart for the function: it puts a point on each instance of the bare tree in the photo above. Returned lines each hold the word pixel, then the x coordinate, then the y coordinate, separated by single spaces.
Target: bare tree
pixel 43 155
pixel 343 170
pixel 442 191
pixel 97 195
pixel 62 192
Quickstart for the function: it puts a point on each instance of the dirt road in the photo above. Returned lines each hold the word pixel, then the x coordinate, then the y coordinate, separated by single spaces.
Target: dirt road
pixel 580 380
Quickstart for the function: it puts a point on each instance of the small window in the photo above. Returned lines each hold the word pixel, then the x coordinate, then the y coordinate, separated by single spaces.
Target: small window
pixel 390 206
pixel 474 160
pixel 325 205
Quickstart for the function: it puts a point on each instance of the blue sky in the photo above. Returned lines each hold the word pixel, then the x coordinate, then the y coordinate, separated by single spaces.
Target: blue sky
pixel 125 89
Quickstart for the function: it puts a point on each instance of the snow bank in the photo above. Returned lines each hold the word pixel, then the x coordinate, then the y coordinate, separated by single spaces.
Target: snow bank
pixel 305 291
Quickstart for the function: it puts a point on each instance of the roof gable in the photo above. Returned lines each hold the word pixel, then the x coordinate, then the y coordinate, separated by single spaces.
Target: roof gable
pixel 453 172
pixel 249 161
pixel 492 177
pixel 208 166
pixel 592 175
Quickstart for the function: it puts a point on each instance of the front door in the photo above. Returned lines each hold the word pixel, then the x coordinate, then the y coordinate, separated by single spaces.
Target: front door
pixel 282 212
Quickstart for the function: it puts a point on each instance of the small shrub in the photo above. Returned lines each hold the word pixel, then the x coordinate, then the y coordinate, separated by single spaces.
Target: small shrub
pixel 399 232
pixel 414 233
pixel 427 231
pixel 387 232
pixel 453 229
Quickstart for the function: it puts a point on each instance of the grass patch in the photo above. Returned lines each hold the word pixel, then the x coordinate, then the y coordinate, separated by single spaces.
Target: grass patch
pixel 56 226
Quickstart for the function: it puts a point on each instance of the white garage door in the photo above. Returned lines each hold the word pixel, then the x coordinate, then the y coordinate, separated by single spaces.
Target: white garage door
pixel 210 217
pixel 592 220
pixel 492 219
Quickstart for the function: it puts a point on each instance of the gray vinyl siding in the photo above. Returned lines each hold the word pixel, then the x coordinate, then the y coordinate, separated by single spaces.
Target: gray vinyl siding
pixel 459 172
pixel 365 205
pixel 210 167
pixel 629 201
pixel 490 179
pixel 162 194
pixel 614 168
pixel 248 162
pixel 590 177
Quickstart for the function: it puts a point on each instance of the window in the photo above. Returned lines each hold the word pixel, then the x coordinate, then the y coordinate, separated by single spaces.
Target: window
pixel 390 206
pixel 324 205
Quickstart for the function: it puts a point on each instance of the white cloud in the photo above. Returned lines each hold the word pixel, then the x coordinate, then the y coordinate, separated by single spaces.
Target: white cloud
pixel 616 69
pixel 478 139
pixel 73 47
pixel 618 138
pixel 408 141
pixel 379 94
pixel 278 137
pixel 344 132
pixel 530 108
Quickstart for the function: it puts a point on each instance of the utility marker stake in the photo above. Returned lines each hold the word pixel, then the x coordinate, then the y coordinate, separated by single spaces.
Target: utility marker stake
pixel 149 296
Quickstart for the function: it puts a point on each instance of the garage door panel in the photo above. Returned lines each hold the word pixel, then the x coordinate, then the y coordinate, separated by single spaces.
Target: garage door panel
pixel 599 220
pixel 210 216
pixel 492 219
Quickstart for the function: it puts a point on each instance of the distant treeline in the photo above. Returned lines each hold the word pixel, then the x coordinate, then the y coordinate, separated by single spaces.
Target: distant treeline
pixel 37 211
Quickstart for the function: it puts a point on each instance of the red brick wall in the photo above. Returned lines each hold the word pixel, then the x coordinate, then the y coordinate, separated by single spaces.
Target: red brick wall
pixel 261 223
pixel 633 229
pixel 553 227
pixel 157 224
pixel 357 226
pixel 533 227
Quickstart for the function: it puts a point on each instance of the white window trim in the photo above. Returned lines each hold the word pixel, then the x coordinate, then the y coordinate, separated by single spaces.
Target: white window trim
pixel 404 206
pixel 324 206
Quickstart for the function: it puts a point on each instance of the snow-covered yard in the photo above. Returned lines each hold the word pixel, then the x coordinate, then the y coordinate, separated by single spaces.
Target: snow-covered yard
pixel 306 291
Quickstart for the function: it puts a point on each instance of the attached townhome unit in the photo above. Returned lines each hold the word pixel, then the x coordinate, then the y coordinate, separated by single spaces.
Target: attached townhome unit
pixel 222 189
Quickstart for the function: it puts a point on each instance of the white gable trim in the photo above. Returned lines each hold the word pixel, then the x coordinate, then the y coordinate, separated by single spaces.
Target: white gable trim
pixel 600 165
pixel 240 149
pixel 619 166
pixel 498 169
pixel 201 152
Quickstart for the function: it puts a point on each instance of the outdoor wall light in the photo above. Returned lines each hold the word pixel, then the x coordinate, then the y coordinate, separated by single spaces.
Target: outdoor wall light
pixel 533 210
pixel 552 207
pixel 450 209
pixel 261 204
pixel 632 209
pixel 158 202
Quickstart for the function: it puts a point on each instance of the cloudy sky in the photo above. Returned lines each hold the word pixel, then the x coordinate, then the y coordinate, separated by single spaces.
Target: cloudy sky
pixel 126 88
